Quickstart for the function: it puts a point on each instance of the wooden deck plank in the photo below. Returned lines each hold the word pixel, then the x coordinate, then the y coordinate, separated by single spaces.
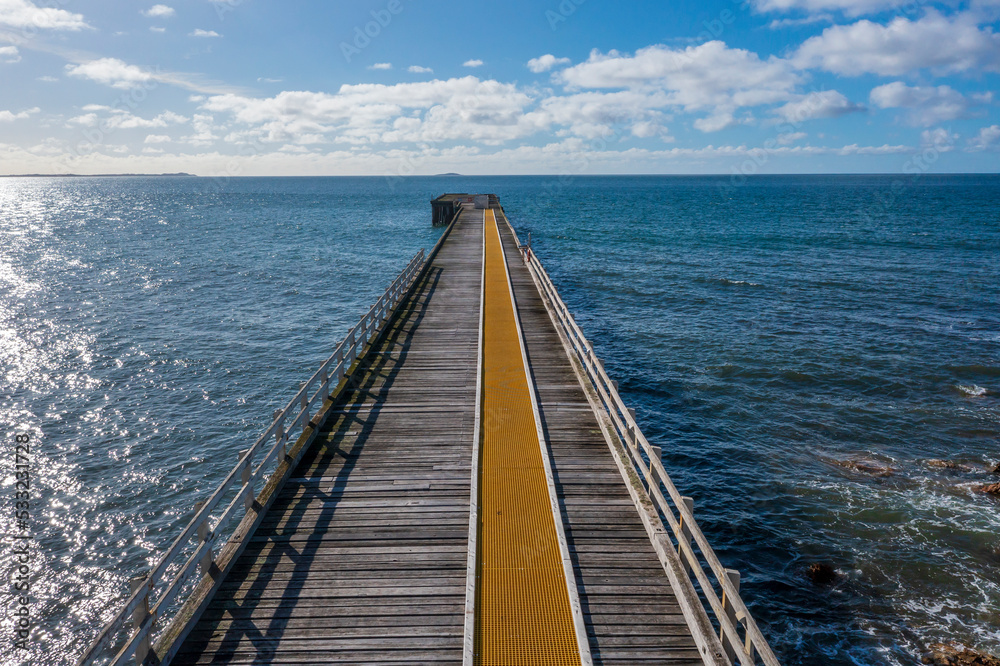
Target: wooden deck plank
pixel 363 556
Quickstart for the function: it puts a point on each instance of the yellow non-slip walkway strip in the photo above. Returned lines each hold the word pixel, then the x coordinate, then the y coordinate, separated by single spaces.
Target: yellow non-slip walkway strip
pixel 523 609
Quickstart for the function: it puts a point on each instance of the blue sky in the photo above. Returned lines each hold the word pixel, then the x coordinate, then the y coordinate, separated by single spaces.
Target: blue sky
pixel 399 87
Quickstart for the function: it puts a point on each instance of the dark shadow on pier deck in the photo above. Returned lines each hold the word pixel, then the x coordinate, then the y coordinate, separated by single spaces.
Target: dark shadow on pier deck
pixel 363 556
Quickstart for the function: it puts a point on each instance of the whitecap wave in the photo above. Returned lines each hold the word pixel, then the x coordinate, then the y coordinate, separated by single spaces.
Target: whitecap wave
pixel 740 282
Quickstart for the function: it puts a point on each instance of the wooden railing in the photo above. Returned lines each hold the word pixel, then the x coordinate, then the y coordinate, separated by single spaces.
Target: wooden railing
pixel 741 640
pixel 154 594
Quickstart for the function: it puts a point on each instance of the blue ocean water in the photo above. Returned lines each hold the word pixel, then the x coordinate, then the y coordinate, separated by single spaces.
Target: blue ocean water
pixel 819 357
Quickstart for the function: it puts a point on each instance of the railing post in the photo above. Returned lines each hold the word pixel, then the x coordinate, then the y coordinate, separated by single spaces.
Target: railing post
pixel 280 434
pixel 304 403
pixel 655 453
pixel 730 610
pixel 630 427
pixel 324 383
pixel 685 535
pixel 338 359
pixel 247 481
pixel 139 616
pixel 209 557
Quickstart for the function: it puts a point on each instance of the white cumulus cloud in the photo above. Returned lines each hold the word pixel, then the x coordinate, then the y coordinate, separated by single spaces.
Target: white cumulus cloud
pixel 823 104
pixel 927 105
pixel 10 116
pixel 122 119
pixel 473 63
pixel 460 108
pixel 594 114
pixel 9 54
pixel 381 65
pixel 26 14
pixel 941 44
pixel 417 69
pixel 159 11
pixel 111 72
pixel 710 76
pixel 545 63
pixel 848 7
pixel 939 138
pixel 987 139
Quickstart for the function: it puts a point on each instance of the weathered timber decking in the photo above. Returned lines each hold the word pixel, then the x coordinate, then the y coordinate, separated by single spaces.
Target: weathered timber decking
pixel 363 556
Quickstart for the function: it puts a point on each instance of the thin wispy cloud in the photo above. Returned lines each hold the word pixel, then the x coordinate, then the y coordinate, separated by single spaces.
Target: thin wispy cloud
pixel 198 32
pixel 417 69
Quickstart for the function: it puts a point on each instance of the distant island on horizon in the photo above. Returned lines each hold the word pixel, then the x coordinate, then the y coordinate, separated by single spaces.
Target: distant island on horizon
pixel 95 175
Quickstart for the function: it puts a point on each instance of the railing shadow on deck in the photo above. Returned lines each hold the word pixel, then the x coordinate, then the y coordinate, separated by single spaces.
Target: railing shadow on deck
pixel 712 591
pixel 240 603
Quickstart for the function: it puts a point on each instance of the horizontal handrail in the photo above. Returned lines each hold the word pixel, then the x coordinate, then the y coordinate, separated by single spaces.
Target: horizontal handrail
pixel 719 585
pixel 296 414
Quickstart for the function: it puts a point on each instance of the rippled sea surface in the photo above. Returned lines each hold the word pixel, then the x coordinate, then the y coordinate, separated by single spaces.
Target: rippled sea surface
pixel 819 357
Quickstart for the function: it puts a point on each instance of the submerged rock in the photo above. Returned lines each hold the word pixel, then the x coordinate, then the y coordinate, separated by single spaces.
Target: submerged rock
pixel 822 573
pixel 953 655
pixel 946 464
pixel 991 489
pixel 867 466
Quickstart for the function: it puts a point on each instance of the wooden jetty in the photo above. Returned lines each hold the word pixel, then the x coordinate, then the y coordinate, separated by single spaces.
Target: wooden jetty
pixel 460 482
